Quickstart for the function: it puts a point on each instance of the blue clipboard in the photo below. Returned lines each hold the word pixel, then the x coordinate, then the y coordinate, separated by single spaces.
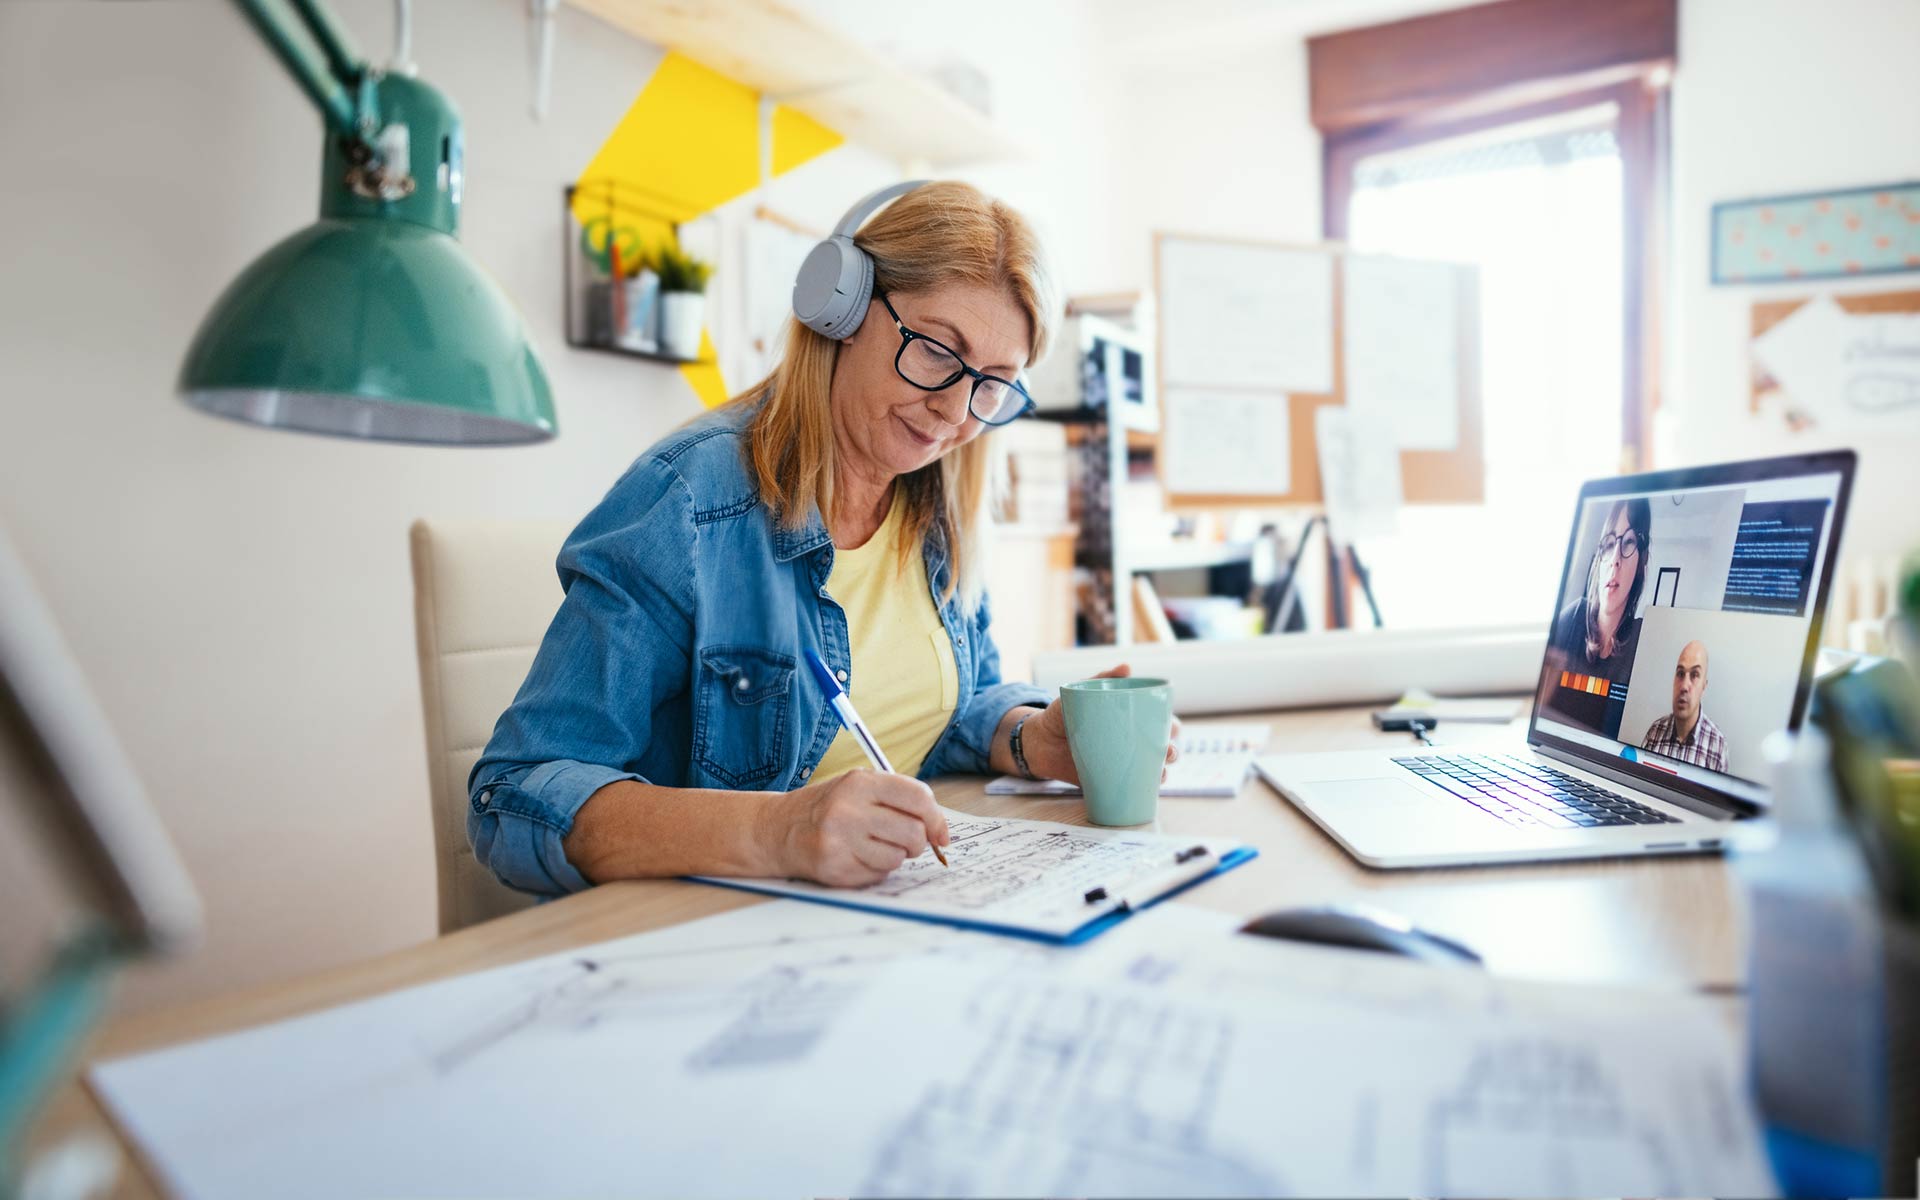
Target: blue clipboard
pixel 1084 933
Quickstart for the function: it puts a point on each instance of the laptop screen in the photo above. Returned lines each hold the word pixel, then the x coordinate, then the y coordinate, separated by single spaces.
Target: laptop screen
pixel 1683 632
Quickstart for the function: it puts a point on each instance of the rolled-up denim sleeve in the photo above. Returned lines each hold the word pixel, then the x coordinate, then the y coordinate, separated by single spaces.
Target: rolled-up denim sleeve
pixel 616 652
pixel 971 747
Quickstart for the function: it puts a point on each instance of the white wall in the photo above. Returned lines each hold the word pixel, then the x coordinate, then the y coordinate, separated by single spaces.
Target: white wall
pixel 240 598
pixel 1216 142
pixel 1771 97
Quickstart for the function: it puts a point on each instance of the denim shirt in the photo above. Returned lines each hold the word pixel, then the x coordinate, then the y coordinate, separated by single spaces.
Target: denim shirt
pixel 677 658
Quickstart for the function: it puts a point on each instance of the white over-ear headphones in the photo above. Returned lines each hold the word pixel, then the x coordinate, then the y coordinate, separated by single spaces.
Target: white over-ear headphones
pixel 835 283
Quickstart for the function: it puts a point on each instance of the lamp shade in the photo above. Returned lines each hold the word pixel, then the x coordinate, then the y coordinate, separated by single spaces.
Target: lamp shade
pixel 371 328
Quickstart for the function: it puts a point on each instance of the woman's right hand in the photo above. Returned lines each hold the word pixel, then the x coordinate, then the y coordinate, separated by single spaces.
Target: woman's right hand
pixel 853 829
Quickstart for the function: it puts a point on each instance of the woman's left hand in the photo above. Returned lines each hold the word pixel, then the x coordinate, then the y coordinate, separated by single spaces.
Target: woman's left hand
pixel 1044 739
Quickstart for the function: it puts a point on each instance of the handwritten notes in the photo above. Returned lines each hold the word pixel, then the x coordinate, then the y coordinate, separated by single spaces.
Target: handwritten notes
pixel 1021 876
pixel 866 1056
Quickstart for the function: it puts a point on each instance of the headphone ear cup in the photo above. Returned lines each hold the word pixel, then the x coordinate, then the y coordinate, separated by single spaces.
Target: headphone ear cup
pixel 831 292
pixel 861 297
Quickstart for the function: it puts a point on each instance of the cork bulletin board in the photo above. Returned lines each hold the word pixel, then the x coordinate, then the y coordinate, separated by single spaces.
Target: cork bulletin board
pixel 1255 336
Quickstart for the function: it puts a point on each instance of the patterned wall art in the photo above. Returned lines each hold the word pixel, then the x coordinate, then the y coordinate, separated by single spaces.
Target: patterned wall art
pixel 1818 235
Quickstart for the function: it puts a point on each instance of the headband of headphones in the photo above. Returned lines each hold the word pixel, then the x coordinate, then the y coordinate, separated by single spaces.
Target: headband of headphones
pixel 835 283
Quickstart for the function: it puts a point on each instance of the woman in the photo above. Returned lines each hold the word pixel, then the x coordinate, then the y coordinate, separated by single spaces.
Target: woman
pixel 835 508
pixel 1598 633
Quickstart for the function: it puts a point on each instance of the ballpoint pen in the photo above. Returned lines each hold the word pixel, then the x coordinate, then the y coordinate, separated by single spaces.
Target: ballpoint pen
pixel 842 705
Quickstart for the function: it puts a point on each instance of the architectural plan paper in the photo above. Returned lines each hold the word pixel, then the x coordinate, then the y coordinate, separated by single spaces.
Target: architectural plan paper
pixel 617 1069
pixel 1019 876
pixel 1052 1085
pixel 793 1049
pixel 1400 339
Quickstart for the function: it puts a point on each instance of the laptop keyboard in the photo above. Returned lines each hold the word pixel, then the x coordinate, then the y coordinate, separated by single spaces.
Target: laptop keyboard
pixel 1524 793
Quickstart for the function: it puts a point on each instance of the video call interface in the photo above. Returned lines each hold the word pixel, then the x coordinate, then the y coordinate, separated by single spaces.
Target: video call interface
pixel 1683 620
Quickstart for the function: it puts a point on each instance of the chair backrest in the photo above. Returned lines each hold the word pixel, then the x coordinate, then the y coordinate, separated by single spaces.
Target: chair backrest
pixel 484 593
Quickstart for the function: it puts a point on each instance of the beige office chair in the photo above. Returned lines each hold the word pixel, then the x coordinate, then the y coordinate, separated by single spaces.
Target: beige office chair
pixel 483 595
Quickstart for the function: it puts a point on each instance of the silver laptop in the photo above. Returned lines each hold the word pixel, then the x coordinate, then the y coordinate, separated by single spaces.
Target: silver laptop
pixel 1684 632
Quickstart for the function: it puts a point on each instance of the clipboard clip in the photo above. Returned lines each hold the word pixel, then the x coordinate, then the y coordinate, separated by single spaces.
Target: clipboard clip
pixel 1190 864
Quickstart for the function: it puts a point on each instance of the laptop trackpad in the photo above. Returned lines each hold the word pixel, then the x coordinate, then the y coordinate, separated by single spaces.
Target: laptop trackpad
pixel 1382 792
pixel 1391 815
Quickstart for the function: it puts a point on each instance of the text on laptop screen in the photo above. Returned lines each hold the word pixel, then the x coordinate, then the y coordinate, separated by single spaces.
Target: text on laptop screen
pixel 1682 623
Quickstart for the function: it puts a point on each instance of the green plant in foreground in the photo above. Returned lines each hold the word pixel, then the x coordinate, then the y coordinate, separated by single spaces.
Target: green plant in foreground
pixel 680 271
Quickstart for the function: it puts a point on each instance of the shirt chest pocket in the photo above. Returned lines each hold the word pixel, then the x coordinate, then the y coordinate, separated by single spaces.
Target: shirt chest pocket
pixel 743 695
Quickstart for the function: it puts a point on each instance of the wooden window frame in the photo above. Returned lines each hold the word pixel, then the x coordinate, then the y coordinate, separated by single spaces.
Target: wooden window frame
pixel 1394 86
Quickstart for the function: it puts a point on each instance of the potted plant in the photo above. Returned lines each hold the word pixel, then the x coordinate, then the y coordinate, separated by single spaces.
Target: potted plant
pixel 683 286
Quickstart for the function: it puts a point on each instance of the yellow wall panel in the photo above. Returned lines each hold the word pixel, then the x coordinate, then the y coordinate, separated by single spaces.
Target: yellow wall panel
pixel 692 139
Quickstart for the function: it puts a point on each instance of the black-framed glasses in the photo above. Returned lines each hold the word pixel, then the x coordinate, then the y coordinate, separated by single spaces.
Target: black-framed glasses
pixel 928 364
pixel 1626 545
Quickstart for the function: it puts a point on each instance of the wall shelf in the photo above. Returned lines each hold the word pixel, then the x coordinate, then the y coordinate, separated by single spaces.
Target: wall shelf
pixel 1182 556
pixel 648 355
pixel 588 311
pixel 1137 439
pixel 793 56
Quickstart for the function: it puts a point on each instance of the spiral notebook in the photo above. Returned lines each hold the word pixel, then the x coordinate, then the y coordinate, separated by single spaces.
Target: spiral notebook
pixel 1214 761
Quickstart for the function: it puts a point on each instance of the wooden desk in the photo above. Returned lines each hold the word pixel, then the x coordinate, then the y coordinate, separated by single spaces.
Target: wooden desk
pixel 1653 921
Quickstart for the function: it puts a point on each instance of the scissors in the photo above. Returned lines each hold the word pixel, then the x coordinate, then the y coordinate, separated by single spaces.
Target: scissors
pixel 604 243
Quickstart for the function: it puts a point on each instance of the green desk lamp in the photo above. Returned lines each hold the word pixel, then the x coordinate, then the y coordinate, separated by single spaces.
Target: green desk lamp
pixel 372 322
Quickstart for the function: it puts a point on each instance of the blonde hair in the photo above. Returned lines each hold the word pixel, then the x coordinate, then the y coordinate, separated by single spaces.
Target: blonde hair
pixel 939 234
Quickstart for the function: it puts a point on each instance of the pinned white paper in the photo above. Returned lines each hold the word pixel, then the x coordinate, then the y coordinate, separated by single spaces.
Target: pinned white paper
pixel 1847 371
pixel 1802 352
pixel 1240 316
pixel 1359 473
pixel 1222 443
pixel 1400 336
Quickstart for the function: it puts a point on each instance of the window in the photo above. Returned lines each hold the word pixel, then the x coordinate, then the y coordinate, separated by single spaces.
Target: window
pixel 1527 137
pixel 1537 208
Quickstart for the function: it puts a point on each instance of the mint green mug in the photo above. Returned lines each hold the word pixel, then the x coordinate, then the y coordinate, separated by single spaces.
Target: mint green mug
pixel 1118 730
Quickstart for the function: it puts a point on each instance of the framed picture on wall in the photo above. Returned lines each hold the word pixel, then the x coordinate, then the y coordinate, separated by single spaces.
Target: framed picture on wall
pixel 1818 235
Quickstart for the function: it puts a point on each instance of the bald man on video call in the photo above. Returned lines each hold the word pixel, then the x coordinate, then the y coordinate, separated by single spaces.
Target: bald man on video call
pixel 1686 733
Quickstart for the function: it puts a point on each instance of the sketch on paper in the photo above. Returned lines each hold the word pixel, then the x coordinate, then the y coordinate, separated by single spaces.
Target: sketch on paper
pixel 1073 1093
pixel 1165 1079
pixel 1171 1059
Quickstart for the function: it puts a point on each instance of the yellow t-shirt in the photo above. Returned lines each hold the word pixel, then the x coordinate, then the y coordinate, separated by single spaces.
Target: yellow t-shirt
pixel 903 682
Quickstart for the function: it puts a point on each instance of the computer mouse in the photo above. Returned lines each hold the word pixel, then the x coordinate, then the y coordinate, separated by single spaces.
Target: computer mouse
pixel 1361 928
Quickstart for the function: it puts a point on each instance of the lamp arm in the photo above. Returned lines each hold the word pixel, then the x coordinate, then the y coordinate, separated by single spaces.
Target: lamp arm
pixel 325 78
pixel 346 65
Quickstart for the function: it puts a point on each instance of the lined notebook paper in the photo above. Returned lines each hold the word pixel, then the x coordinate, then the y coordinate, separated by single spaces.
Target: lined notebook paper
pixel 1214 761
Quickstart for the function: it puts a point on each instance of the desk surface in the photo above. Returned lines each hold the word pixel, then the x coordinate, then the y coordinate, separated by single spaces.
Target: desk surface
pixel 1662 921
